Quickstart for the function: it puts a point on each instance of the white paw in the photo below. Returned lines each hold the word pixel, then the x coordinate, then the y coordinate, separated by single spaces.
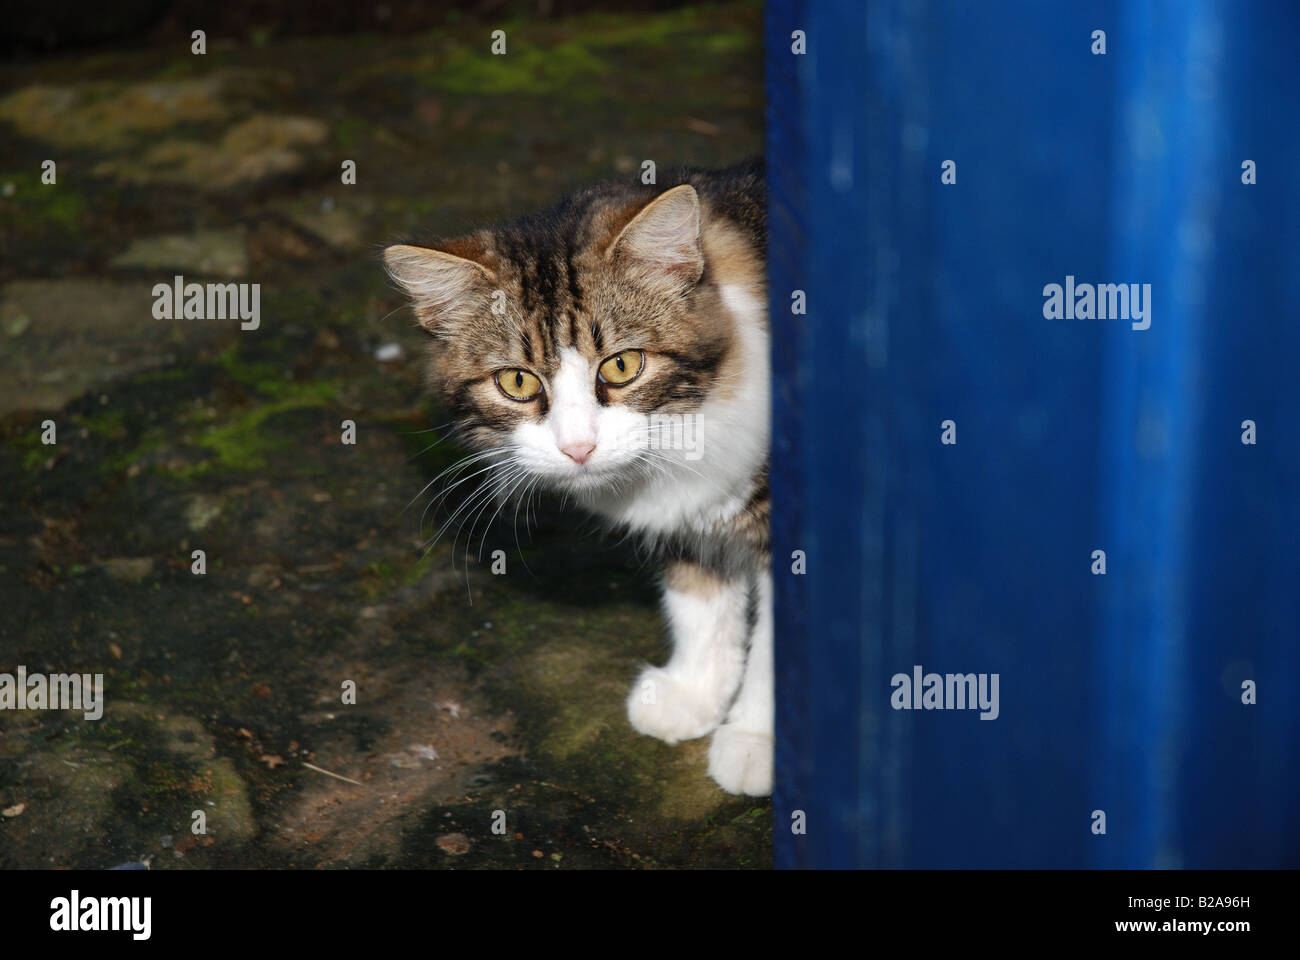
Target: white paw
pixel 740 761
pixel 676 711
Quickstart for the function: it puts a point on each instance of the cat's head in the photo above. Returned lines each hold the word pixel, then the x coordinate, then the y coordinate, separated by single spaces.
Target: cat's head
pixel 573 342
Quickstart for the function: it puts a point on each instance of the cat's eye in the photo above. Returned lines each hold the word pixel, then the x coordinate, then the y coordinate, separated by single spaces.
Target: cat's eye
pixel 622 368
pixel 518 384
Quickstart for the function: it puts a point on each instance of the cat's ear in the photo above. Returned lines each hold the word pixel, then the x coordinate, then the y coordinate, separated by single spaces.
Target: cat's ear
pixel 662 242
pixel 443 286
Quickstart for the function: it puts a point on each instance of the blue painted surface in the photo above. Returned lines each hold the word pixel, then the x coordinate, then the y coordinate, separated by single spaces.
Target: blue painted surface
pixel 925 303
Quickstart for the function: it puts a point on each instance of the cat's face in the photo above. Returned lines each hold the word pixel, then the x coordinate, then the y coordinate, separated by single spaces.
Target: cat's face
pixel 576 346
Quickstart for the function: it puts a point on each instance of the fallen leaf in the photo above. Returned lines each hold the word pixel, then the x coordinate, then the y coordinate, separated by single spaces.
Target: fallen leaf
pixel 272 760
pixel 703 126
pixel 456 843
pixel 15 810
pixel 115 650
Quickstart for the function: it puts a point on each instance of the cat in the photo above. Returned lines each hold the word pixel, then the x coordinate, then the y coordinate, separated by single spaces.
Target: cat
pixel 575 349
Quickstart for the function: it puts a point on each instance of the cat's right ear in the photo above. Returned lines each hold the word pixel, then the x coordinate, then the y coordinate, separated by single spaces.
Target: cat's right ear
pixel 661 244
pixel 443 287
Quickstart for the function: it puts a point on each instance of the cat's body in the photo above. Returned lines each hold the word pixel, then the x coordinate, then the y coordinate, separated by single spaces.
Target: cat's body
pixel 615 349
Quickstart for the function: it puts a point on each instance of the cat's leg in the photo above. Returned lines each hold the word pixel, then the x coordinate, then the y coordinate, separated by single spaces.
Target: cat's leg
pixel 740 756
pixel 686 698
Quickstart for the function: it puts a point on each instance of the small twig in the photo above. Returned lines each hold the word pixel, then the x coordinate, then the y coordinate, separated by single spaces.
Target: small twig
pixel 312 766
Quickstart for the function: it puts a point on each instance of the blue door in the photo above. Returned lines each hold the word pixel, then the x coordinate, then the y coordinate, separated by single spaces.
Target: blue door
pixel 1034 286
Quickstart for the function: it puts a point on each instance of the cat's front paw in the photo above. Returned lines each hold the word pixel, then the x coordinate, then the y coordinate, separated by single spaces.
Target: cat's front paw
pixel 663 707
pixel 740 760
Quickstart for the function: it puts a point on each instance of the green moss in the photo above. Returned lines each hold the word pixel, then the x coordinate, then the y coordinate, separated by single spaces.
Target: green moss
pixel 240 444
pixel 266 378
pixel 106 423
pixel 177 69
pixel 377 578
pixel 726 43
pixel 561 68
pixel 271 380
pixel 572 59
pixel 244 444
pixel 416 571
pixel 672 27
pixel 57 205
pixel 756 815
pixel 470 654
pixel 351 132
pixel 26 444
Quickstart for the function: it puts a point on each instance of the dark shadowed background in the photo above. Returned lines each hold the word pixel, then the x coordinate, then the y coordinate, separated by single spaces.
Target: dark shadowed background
pixel 476 692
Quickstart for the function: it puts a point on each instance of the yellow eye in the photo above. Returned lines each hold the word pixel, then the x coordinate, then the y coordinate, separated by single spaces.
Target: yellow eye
pixel 518 384
pixel 622 367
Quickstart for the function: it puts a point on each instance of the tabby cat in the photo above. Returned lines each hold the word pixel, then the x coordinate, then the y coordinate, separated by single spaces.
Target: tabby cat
pixel 615 349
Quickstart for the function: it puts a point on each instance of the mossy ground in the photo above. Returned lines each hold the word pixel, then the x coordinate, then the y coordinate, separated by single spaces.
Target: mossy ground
pixel 476 693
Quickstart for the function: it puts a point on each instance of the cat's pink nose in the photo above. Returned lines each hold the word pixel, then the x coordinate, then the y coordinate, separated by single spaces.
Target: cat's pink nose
pixel 578 452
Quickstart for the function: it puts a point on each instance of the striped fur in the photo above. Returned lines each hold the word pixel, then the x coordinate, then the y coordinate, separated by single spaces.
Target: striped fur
pixel 567 286
pixel 669 279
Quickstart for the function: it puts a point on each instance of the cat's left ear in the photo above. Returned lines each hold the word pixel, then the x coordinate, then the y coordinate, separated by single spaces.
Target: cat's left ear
pixel 662 242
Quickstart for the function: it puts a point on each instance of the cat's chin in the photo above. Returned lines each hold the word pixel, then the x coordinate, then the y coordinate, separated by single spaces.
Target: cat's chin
pixel 595 487
pixel 589 482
